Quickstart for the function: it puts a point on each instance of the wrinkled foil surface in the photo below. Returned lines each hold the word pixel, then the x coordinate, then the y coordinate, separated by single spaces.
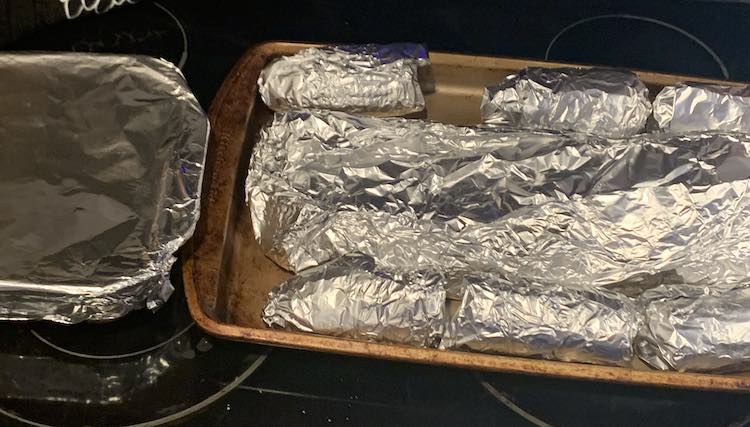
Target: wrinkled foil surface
pixel 350 297
pixel 701 107
pixel 373 79
pixel 696 328
pixel 530 205
pixel 101 166
pixel 600 101
pixel 571 324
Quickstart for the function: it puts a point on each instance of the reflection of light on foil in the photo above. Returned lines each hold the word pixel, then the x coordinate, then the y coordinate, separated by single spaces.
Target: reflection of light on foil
pixel 667 25
pixel 74 8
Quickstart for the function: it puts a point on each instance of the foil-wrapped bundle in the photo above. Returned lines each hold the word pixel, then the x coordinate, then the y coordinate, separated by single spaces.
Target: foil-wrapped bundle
pixel 102 159
pixel 567 323
pixel 696 107
pixel 696 328
pixel 350 297
pixel 596 211
pixel 373 79
pixel 600 101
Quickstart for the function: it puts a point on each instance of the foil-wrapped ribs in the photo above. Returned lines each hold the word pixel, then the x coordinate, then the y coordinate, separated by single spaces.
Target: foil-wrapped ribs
pixel 611 103
pixel 696 328
pixel 697 107
pixel 567 323
pixel 522 203
pixel 350 297
pixel 374 79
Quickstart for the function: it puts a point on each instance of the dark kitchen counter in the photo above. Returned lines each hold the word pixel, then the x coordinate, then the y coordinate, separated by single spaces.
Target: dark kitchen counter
pixel 158 368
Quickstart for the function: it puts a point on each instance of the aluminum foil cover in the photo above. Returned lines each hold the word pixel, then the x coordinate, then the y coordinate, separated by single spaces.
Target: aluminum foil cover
pixel 566 323
pixel 530 205
pixel 373 79
pixel 700 107
pixel 101 166
pixel 350 297
pixel 696 328
pixel 601 101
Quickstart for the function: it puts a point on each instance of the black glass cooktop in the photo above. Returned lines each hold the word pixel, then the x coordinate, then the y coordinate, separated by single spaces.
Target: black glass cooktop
pixel 159 368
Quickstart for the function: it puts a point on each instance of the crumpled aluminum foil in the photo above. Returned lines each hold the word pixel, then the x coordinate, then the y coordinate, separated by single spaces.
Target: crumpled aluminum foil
pixel 100 176
pixel 373 79
pixel 700 107
pixel 600 101
pixel 696 328
pixel 350 297
pixel 525 204
pixel 572 324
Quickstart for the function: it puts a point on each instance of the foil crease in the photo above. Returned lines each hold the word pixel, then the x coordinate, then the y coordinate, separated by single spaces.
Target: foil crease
pixel 608 102
pixel 696 328
pixel 373 79
pixel 698 107
pixel 572 324
pixel 350 297
pixel 529 205
pixel 102 161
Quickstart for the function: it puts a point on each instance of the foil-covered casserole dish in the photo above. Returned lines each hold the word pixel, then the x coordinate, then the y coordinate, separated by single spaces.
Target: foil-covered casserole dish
pixel 374 79
pixel 102 162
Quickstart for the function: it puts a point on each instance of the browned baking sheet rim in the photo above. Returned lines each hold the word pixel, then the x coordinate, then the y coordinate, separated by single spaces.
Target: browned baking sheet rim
pixel 229 115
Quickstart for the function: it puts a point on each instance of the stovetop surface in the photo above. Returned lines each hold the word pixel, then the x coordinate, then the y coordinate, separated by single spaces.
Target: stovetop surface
pixel 159 368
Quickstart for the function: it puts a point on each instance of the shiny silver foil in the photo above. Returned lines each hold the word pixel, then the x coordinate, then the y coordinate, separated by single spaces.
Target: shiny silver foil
pixel 701 107
pixel 350 297
pixel 600 101
pixel 696 328
pixel 373 79
pixel 531 205
pixel 100 176
pixel 567 323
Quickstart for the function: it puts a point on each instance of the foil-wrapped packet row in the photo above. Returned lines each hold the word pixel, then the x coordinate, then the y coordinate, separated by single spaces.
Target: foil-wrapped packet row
pixel 373 79
pixel 696 328
pixel 350 297
pixel 526 204
pixel 696 107
pixel 608 102
pixel 567 323
pixel 100 176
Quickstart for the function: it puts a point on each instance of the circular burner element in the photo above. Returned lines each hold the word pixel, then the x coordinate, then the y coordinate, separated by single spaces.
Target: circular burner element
pixel 139 332
pixel 638 42
pixel 162 386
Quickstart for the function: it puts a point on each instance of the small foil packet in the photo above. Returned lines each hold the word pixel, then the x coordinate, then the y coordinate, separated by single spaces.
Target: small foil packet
pixel 695 107
pixel 100 178
pixel 373 79
pixel 696 328
pixel 607 102
pixel 352 298
pixel 567 323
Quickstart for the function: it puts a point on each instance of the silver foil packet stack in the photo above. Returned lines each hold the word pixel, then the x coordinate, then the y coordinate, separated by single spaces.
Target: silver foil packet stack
pixel 695 107
pixel 100 175
pixel 410 192
pixel 350 297
pixel 373 79
pixel 600 101
pixel 566 323
pixel 696 328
